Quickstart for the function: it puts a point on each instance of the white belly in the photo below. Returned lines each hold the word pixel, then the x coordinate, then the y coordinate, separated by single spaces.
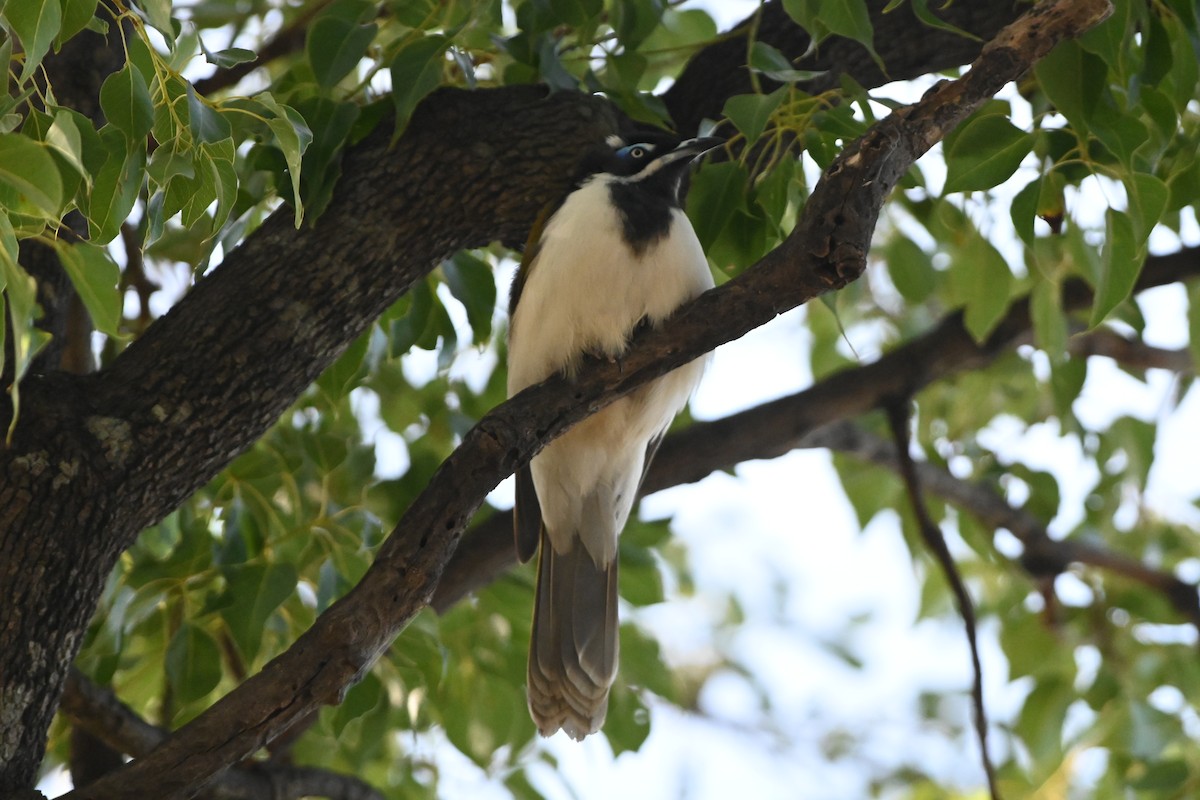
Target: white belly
pixel 585 296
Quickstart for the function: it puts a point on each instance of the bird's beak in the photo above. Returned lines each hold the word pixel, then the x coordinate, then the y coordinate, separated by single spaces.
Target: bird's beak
pixel 689 149
pixel 699 146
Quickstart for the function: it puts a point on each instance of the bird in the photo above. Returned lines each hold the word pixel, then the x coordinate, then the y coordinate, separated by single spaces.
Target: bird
pixel 617 253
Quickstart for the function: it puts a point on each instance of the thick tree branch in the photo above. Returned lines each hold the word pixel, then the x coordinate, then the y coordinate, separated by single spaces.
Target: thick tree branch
pixel 719 72
pixel 99 712
pixel 826 250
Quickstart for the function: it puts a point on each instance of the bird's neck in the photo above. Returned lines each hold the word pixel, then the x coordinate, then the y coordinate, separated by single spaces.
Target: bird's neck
pixel 646 208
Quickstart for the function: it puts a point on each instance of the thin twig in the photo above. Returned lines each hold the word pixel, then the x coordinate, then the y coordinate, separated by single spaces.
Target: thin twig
pixel 897 412
pixel 1043 556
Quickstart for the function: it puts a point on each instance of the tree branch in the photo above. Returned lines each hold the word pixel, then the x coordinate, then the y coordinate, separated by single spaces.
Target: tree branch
pixel 825 251
pixel 99 712
pixel 796 422
pixel 1130 353
pixel 719 71
pixel 898 419
pixel 1043 555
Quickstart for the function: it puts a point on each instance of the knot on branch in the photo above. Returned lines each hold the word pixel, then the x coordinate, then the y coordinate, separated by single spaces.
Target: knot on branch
pixel 845 265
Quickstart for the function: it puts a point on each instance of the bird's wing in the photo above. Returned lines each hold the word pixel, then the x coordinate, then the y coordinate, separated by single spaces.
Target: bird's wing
pixel 527 515
pixel 529 255
pixel 651 449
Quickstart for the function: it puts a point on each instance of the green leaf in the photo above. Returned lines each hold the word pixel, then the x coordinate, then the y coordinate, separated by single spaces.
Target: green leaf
pixel 253 592
pixel 229 57
pixel 1042 197
pixel 225 184
pixel 158 12
pixel 1193 316
pixel 1073 80
pixel 76 14
pixel 911 269
pixel 1024 210
pixel 65 140
pixel 1066 382
pixel 576 12
pixel 193 663
pixel 639 578
pixel 342 375
pixel 21 293
pixel 1125 136
pixel 680 28
pixel 768 61
pixel 775 190
pixel 410 329
pixel 1135 438
pixel 984 153
pixel 983 282
pixel 125 99
pixel 715 194
pixel 367 694
pixel 751 112
pixel 1120 264
pixel 293 137
pixel 635 20
pixel 95 277
pixel 1049 321
pixel 169 161
pixel 115 187
pixel 1041 719
pixel 416 71
pixel 921 10
pixel 1148 197
pixel 472 283
pixel 1168 778
pixel 197 195
pixel 331 123
pixel 36 23
pixel 205 122
pixel 335 46
pixel 28 168
pixel 848 18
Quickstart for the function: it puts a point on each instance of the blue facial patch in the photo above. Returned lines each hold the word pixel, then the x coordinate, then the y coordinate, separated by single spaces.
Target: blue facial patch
pixel 635 151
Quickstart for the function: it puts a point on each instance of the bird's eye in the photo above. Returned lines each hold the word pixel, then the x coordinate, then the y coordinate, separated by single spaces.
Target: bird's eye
pixel 634 151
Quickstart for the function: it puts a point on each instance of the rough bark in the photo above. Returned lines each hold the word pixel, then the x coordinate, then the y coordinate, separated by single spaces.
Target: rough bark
pixel 719 71
pixel 97 458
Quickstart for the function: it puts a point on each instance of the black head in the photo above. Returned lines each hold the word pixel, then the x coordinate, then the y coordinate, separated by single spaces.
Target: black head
pixel 654 160
pixel 645 178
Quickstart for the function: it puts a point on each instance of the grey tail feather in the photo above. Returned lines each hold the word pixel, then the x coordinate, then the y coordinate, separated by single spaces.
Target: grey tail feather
pixel 527 515
pixel 573 647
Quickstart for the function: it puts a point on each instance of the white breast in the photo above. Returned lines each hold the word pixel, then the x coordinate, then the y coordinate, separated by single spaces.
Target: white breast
pixel 585 294
pixel 588 290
